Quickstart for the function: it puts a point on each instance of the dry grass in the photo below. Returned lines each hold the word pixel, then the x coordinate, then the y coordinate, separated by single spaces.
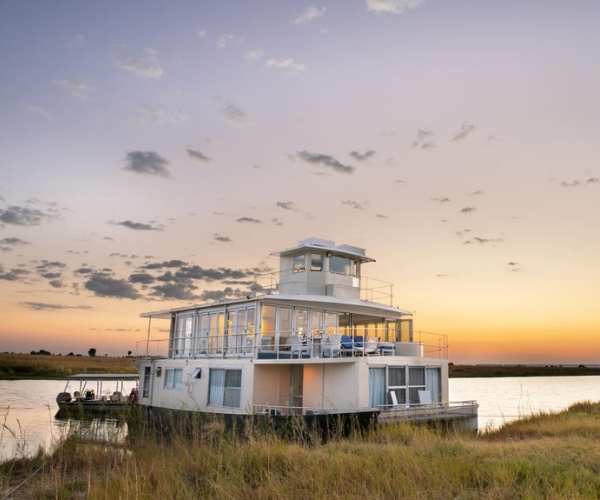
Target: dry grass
pixel 26 366
pixel 547 456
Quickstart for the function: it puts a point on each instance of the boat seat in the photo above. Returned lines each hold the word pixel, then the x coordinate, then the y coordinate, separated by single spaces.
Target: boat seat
pixel 116 396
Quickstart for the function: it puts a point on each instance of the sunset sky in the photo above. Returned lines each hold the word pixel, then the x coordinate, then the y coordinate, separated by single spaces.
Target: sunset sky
pixel 458 141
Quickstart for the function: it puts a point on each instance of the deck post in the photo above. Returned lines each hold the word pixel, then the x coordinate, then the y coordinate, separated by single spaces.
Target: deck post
pixel 148 336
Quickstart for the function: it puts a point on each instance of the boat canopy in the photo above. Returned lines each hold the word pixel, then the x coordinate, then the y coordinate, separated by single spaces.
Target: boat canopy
pixel 106 377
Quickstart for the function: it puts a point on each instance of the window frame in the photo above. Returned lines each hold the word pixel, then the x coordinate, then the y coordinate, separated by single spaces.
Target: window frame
pixel 221 402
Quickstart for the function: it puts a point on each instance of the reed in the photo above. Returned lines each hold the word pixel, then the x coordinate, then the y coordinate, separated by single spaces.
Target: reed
pixel 545 456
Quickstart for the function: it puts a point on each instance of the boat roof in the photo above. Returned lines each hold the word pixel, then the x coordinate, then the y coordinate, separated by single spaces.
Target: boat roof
pixel 320 245
pixel 104 376
pixel 350 305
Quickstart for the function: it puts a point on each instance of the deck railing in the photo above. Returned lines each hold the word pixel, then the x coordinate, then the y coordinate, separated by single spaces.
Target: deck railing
pixel 424 344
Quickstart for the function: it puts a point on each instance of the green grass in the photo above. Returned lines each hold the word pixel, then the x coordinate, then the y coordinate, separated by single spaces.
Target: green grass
pixel 545 456
pixel 26 366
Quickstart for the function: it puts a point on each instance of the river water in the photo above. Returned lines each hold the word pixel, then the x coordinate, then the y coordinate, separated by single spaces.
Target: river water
pixel 28 407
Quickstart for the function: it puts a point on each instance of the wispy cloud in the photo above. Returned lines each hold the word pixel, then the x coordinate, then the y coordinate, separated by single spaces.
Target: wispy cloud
pixel 74 87
pixel 356 205
pixel 44 306
pixel 234 113
pixel 197 155
pixel 286 205
pixel 25 216
pixel 482 241
pixel 248 220
pixel 149 115
pixel 326 161
pixel 358 156
pixel 138 226
pixel 145 64
pixel 465 130
pixel 288 64
pixel 467 210
pixel 392 6
pixel 147 163
pixel 221 238
pixel 309 14
pixel 441 199
pixel 423 140
pixel 11 242
pixel 478 192
pixel 254 55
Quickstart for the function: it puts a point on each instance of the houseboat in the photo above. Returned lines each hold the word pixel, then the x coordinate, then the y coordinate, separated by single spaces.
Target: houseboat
pixel 321 338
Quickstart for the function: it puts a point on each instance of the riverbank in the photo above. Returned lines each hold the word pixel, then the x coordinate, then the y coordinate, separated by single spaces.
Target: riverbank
pixel 461 371
pixel 546 456
pixel 27 366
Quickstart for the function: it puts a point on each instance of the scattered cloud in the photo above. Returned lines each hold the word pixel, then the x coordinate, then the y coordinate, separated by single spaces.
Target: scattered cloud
pixel 141 278
pixel 568 184
pixel 102 284
pixel 250 220
pixel 479 192
pixel 197 155
pixel 277 221
pixel 593 180
pixel 441 275
pixel 177 291
pixel 441 199
pixel 145 64
pixel 84 270
pixel 382 216
pixel 233 113
pixel 576 182
pixel 465 130
pixel 254 55
pixel 467 210
pixel 24 216
pixel 392 6
pixel 15 274
pixel 309 14
pixel 423 140
pixel 8 244
pixel 221 238
pixel 74 87
pixel 226 39
pixel 288 64
pixel 327 161
pixel 356 205
pixel 362 156
pixel 138 226
pixel 149 115
pixel 43 306
pixel 147 163
pixel 286 205
pixel 482 241
pixel 514 267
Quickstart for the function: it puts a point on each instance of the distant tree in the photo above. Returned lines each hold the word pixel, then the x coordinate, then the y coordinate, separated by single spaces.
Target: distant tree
pixel 78 355
pixel 41 352
pixel 70 354
pixel 129 353
pixel 92 352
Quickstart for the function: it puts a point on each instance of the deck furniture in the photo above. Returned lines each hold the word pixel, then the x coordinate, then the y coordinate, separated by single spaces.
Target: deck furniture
pixel 299 347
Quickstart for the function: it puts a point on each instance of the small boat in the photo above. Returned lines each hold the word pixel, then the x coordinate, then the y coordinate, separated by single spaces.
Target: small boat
pixel 91 395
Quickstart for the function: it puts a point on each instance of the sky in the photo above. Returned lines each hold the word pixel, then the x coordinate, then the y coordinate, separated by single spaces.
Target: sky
pixel 156 154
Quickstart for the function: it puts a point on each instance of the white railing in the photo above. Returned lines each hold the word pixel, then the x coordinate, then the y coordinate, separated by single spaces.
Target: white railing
pixel 293 347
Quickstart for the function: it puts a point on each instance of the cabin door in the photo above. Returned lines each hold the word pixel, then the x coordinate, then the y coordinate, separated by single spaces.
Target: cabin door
pixel 296 386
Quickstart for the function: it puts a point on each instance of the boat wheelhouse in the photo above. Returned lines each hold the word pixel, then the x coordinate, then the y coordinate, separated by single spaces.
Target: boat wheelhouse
pixel 317 337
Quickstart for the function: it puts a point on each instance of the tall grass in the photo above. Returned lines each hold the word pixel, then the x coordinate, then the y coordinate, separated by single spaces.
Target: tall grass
pixel 21 366
pixel 547 456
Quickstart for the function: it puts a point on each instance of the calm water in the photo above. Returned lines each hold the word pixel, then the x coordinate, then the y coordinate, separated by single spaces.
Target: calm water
pixel 27 407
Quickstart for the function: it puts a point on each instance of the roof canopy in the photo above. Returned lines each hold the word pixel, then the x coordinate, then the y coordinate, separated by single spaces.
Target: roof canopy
pixel 328 246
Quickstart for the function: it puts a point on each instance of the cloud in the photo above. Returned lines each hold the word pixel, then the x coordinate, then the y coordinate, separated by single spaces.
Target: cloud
pixel 149 115
pixel 197 155
pixel 286 205
pixel 146 64
pixel 441 199
pixel 355 204
pixel 382 216
pixel 567 184
pixel 392 6
pixel 74 87
pixel 221 238
pixel 254 55
pixel 512 263
pixel 24 216
pixel 233 113
pixel 288 64
pixel 43 306
pixel 56 283
pixel 141 278
pixel 277 221
pixel 309 14
pixel 225 293
pixel 479 192
pixel 325 161
pixel 250 220
pixel 103 285
pixel 423 140
pixel 173 263
pixel 8 244
pixel 593 180
pixel 147 163
pixel 467 210
pixel 201 34
pixel 15 274
pixel 138 226
pixel 465 130
pixel 176 291
pixel 84 270
pixel 482 241
pixel 362 156
pixel 226 39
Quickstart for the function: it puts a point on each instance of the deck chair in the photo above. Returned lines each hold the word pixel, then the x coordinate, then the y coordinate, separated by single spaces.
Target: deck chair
pixel 299 348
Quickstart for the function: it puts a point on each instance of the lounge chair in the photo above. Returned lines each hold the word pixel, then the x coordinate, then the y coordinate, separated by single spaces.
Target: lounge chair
pixel 332 346
pixel 299 347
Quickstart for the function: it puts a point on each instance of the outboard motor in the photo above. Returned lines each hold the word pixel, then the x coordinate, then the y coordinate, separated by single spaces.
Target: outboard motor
pixel 63 397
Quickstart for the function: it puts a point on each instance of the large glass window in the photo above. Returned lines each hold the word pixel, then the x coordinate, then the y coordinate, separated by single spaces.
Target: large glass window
pixel 397 384
pixel 342 265
pixel 267 326
pixel 285 327
pixel 301 322
pixel 316 323
pixel 299 263
pixel 376 387
pixel 416 381
pixel 173 378
pixel 331 323
pixel 225 387
pixel 316 262
pixel 434 384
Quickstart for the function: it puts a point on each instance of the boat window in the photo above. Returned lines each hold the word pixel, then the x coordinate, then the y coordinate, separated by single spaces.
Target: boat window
pixel 146 383
pixel 434 382
pixel 225 387
pixel 316 323
pixel 396 385
pixel 173 378
pixel 299 263
pixel 285 327
pixel 251 321
pixel 267 327
pixel 301 322
pixel 416 381
pixel 316 262
pixel 331 323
